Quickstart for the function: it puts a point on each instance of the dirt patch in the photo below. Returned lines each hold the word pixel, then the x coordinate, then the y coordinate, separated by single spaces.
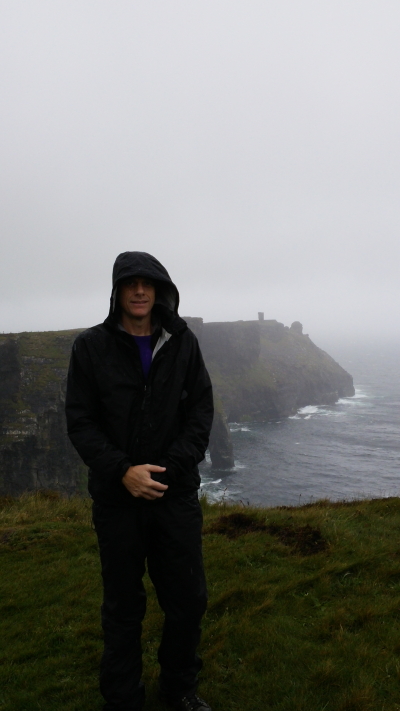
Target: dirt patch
pixel 48 494
pixel 235 524
pixel 7 536
pixel 6 501
pixel 22 538
pixel 324 504
pixel 303 539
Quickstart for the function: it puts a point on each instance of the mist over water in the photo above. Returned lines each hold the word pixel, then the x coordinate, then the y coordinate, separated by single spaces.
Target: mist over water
pixel 344 451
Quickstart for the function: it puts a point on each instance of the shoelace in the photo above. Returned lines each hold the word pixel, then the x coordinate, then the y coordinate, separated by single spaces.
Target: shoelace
pixel 192 703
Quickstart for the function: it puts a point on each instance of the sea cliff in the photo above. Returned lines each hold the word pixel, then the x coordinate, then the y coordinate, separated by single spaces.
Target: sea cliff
pixel 261 370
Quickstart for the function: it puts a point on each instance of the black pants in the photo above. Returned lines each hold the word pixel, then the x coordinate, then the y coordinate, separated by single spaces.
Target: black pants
pixel 167 532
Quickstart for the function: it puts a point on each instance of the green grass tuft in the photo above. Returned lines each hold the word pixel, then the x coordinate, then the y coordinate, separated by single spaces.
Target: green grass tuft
pixel 304 610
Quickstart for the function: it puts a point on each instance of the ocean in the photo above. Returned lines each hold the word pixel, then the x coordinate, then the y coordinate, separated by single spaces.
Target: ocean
pixel 346 451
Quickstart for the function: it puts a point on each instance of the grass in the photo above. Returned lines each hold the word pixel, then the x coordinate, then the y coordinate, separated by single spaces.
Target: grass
pixel 304 610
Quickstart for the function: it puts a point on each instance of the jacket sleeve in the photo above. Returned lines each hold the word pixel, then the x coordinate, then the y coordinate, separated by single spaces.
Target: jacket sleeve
pixel 188 449
pixel 83 418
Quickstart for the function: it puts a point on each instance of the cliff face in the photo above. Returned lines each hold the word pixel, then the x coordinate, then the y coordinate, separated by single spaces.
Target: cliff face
pixel 263 370
pixel 35 451
pixel 260 371
pixel 220 446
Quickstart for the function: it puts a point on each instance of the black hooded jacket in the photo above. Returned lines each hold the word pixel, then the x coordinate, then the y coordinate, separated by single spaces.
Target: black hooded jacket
pixel 116 418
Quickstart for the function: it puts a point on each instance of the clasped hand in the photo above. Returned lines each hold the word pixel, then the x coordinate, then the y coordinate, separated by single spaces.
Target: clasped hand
pixel 139 483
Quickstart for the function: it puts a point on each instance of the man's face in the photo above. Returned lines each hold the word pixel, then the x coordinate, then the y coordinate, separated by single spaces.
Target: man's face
pixel 136 296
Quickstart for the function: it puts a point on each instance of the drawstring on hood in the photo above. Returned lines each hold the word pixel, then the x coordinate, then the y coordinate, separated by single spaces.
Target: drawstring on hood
pixel 142 264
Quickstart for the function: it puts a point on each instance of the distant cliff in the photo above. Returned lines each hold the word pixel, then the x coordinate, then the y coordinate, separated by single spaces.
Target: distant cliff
pixel 263 370
pixel 260 370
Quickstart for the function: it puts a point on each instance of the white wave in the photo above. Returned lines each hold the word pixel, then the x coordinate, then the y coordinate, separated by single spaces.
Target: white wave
pixel 308 410
pixel 333 413
pixel 208 482
pixel 305 413
pixel 348 401
pixel 359 395
pixel 245 429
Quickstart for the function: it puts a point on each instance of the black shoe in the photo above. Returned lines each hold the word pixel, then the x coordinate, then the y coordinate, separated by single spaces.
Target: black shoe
pixel 188 703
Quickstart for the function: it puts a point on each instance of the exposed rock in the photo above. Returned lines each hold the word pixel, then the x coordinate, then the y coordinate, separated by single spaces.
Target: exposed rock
pixel 297 327
pixel 221 449
pixel 35 452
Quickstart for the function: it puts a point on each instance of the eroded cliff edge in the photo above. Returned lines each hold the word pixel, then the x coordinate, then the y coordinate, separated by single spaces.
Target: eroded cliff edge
pixel 263 370
pixel 260 371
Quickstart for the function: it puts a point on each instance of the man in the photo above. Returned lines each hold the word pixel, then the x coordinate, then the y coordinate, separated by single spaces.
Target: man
pixel 139 412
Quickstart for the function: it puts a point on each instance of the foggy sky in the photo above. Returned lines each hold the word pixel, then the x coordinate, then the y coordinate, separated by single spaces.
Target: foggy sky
pixel 252 147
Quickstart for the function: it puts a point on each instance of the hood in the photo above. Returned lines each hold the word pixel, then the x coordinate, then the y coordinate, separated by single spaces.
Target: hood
pixel 129 264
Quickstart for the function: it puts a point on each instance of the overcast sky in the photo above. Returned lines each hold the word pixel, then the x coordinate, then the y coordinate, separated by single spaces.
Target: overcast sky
pixel 252 146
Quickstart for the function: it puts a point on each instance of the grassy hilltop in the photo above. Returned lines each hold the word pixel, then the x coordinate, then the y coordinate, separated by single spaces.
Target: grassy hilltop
pixel 304 611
